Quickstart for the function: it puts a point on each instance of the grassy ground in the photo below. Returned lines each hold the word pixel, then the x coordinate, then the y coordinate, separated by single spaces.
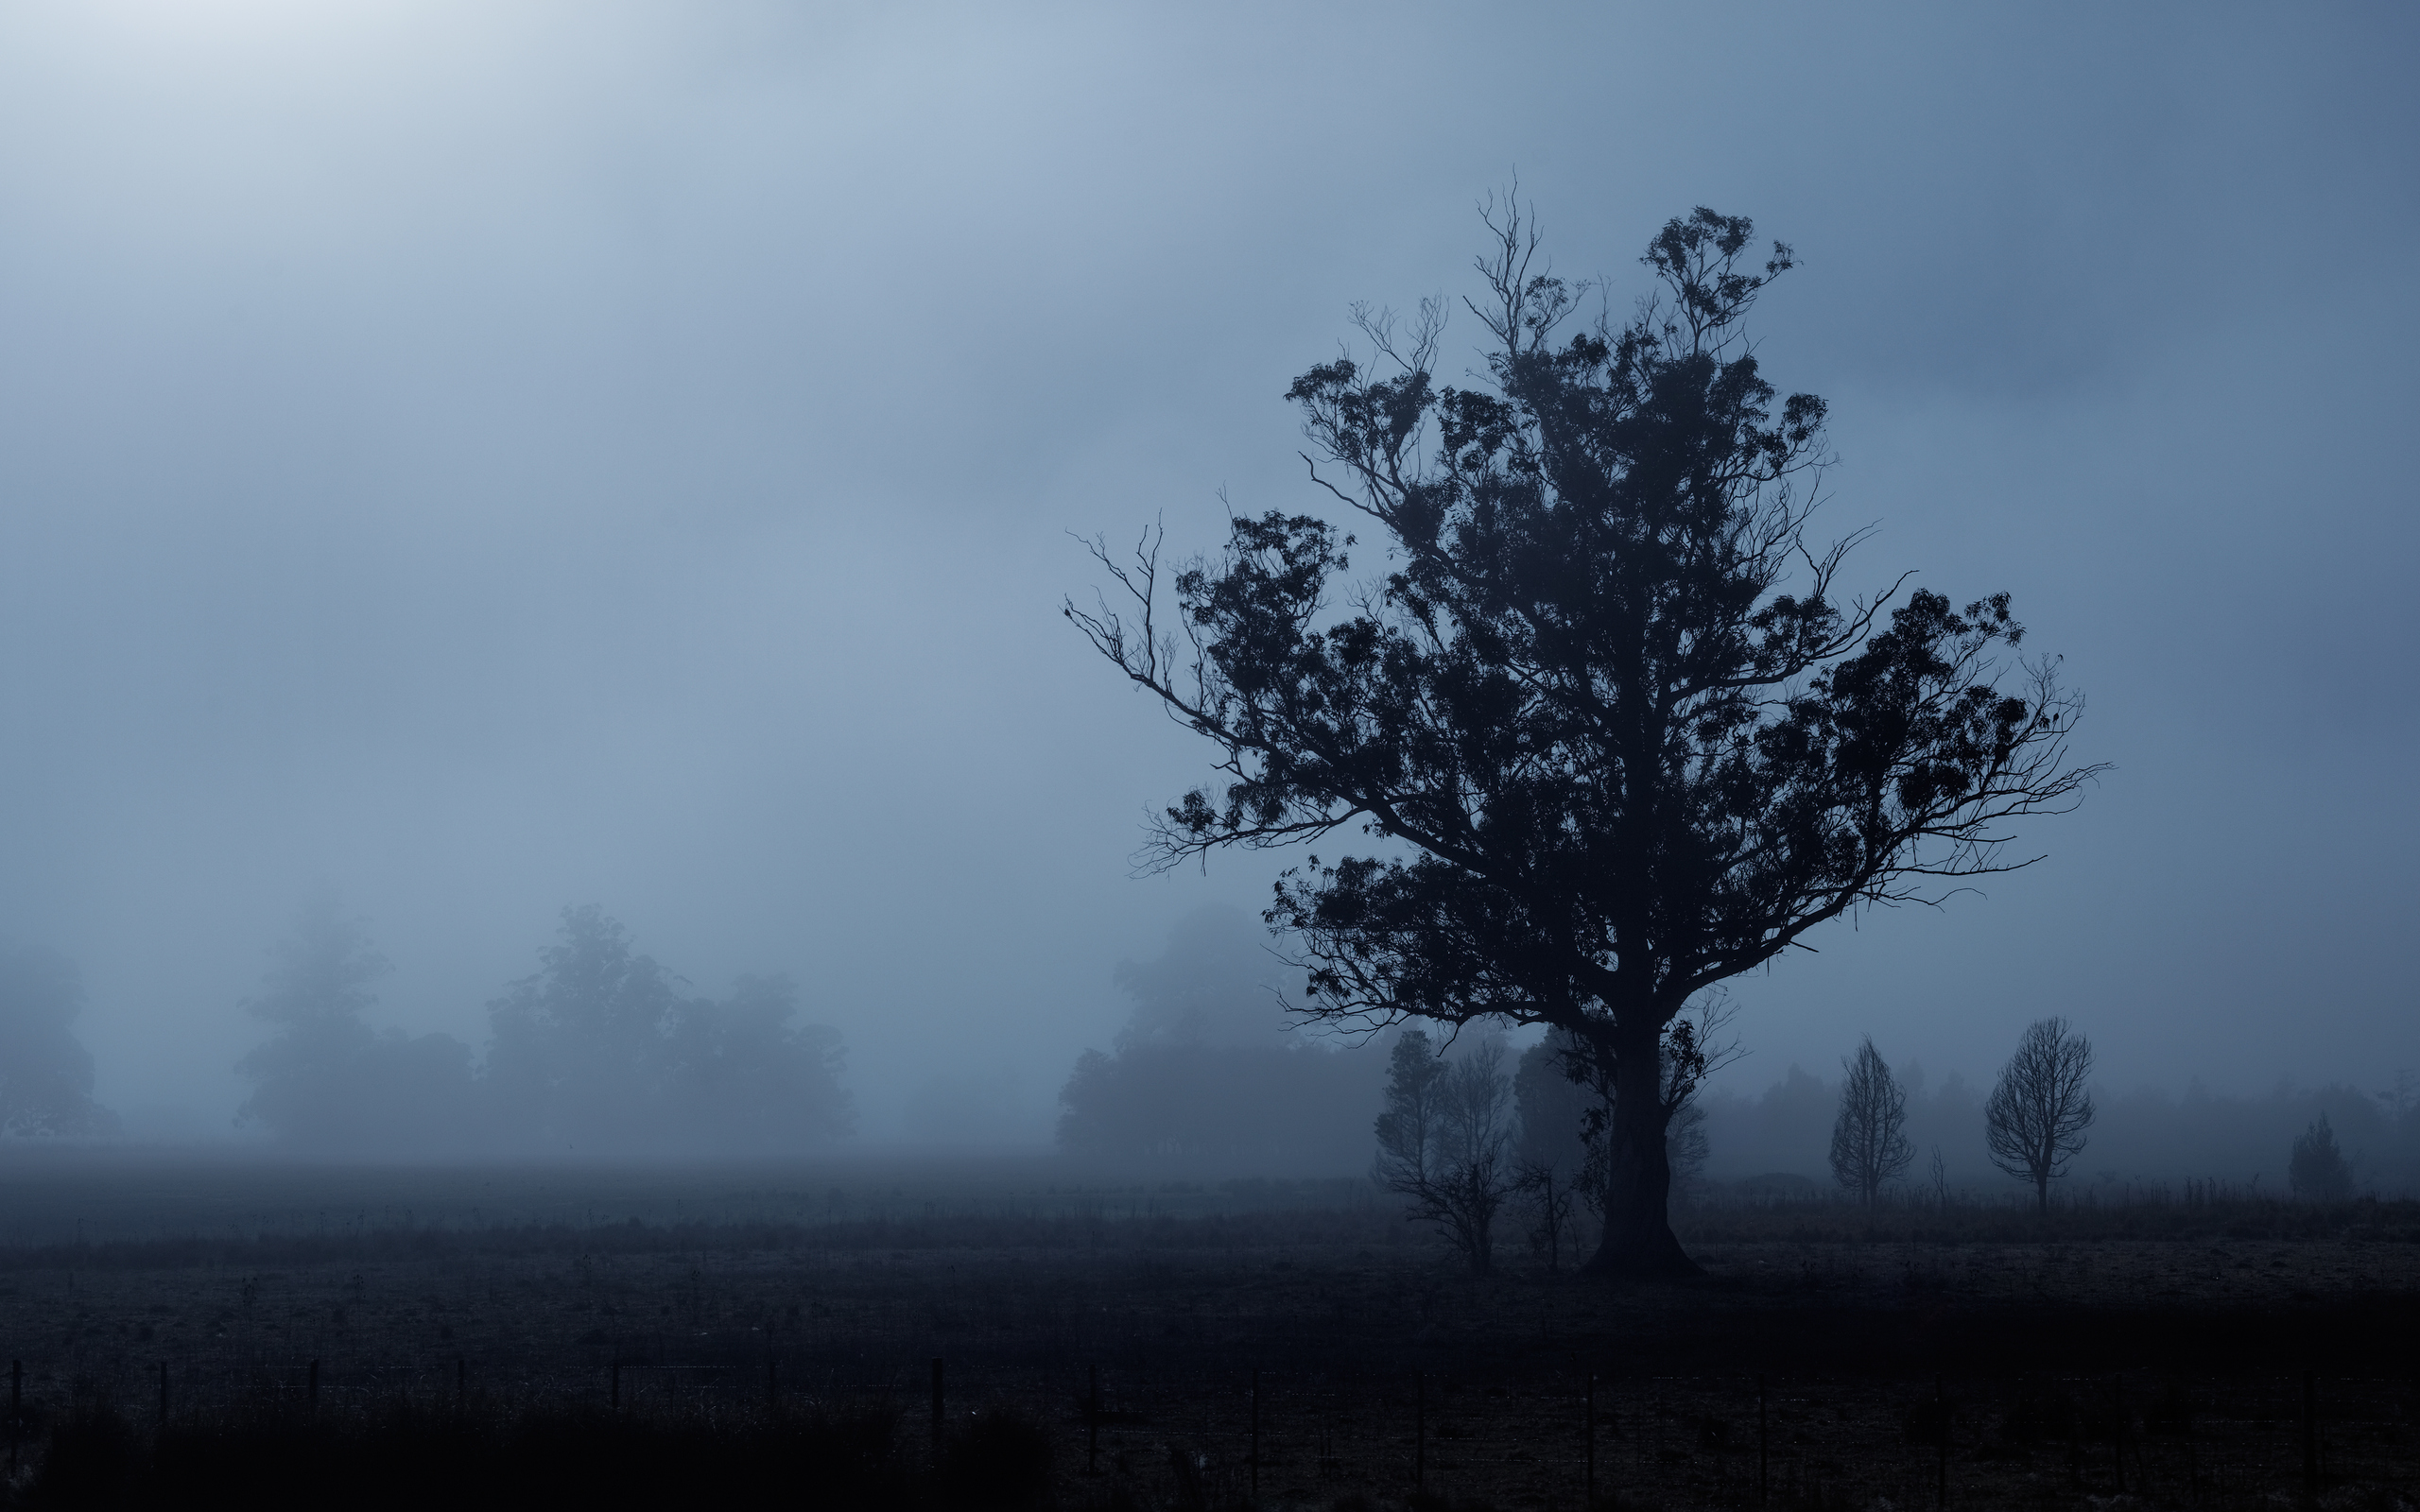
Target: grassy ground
pixel 2007 1360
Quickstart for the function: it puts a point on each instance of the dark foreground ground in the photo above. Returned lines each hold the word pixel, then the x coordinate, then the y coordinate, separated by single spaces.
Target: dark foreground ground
pixel 777 1348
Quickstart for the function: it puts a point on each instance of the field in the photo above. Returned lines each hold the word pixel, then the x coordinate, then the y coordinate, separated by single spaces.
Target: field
pixel 169 1317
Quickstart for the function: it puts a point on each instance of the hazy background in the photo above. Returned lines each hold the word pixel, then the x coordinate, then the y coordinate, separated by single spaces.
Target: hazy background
pixel 497 457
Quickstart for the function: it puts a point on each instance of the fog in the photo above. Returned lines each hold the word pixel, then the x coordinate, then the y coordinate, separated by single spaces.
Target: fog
pixel 480 462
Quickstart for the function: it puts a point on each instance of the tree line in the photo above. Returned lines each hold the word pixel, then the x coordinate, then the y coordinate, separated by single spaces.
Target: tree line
pixel 1465 1139
pixel 602 1053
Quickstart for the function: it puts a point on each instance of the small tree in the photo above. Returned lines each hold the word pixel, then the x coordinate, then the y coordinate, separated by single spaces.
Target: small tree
pixel 1442 1141
pixel 1869 1140
pixel 2318 1170
pixel 2036 1120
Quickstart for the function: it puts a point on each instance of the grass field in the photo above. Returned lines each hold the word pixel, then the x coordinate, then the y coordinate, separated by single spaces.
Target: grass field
pixel 777 1328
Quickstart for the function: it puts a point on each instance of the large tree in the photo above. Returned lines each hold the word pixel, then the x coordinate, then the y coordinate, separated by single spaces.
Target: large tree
pixel 1612 727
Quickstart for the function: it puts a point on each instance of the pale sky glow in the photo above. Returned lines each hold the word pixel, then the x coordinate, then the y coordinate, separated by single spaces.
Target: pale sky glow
pixel 496 457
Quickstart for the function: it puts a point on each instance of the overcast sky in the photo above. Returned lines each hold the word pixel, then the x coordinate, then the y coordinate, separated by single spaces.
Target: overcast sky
pixel 491 457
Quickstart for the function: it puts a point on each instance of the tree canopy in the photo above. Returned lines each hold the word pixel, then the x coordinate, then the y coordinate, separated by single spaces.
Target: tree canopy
pixel 1614 728
pixel 45 1072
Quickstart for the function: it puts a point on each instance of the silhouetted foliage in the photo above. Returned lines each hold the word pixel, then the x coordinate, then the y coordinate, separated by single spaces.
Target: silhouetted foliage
pixel 2317 1169
pixel 329 1083
pixel 45 1072
pixel 2035 1122
pixel 1607 697
pixel 1869 1134
pixel 1204 1075
pixel 1442 1140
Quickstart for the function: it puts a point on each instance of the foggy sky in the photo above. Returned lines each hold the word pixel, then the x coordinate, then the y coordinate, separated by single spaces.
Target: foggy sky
pixel 492 459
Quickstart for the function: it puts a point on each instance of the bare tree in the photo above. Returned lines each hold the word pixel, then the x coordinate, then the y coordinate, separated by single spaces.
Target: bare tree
pixel 1442 1141
pixel 2035 1119
pixel 1554 1201
pixel 1869 1138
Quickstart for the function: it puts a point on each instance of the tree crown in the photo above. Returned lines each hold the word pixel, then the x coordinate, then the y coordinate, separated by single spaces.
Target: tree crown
pixel 1616 730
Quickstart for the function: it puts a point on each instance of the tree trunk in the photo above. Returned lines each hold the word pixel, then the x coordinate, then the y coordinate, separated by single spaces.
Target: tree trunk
pixel 1638 1186
pixel 2042 1193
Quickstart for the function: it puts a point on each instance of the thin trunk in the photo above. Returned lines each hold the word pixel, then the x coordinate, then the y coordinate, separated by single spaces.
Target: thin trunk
pixel 1638 1230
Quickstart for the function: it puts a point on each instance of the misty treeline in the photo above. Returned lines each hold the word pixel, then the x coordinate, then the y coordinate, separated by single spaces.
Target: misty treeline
pixel 1208 1076
pixel 1205 1075
pixel 602 1053
pixel 45 1072
pixel 1777 1143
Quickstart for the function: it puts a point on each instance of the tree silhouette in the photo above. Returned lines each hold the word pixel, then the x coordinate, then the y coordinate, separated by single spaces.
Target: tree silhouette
pixel 1442 1141
pixel 326 1081
pixel 1869 1140
pixel 45 1072
pixel 2316 1168
pixel 2035 1122
pixel 603 1052
pixel 1614 731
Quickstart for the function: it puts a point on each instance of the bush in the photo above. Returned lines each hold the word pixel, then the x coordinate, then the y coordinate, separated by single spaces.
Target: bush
pixel 2317 1168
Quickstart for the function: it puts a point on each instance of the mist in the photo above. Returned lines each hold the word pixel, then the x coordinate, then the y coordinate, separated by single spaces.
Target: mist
pixel 482 466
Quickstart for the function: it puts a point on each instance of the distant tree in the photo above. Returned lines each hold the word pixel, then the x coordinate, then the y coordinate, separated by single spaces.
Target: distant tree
pixel 1551 1154
pixel 745 1080
pixel 603 1053
pixel 1609 711
pixel 45 1072
pixel 1686 1145
pixel 2317 1169
pixel 1205 1075
pixel 326 1081
pixel 2035 1119
pixel 1869 1138
pixel 580 1056
pixel 1443 1137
